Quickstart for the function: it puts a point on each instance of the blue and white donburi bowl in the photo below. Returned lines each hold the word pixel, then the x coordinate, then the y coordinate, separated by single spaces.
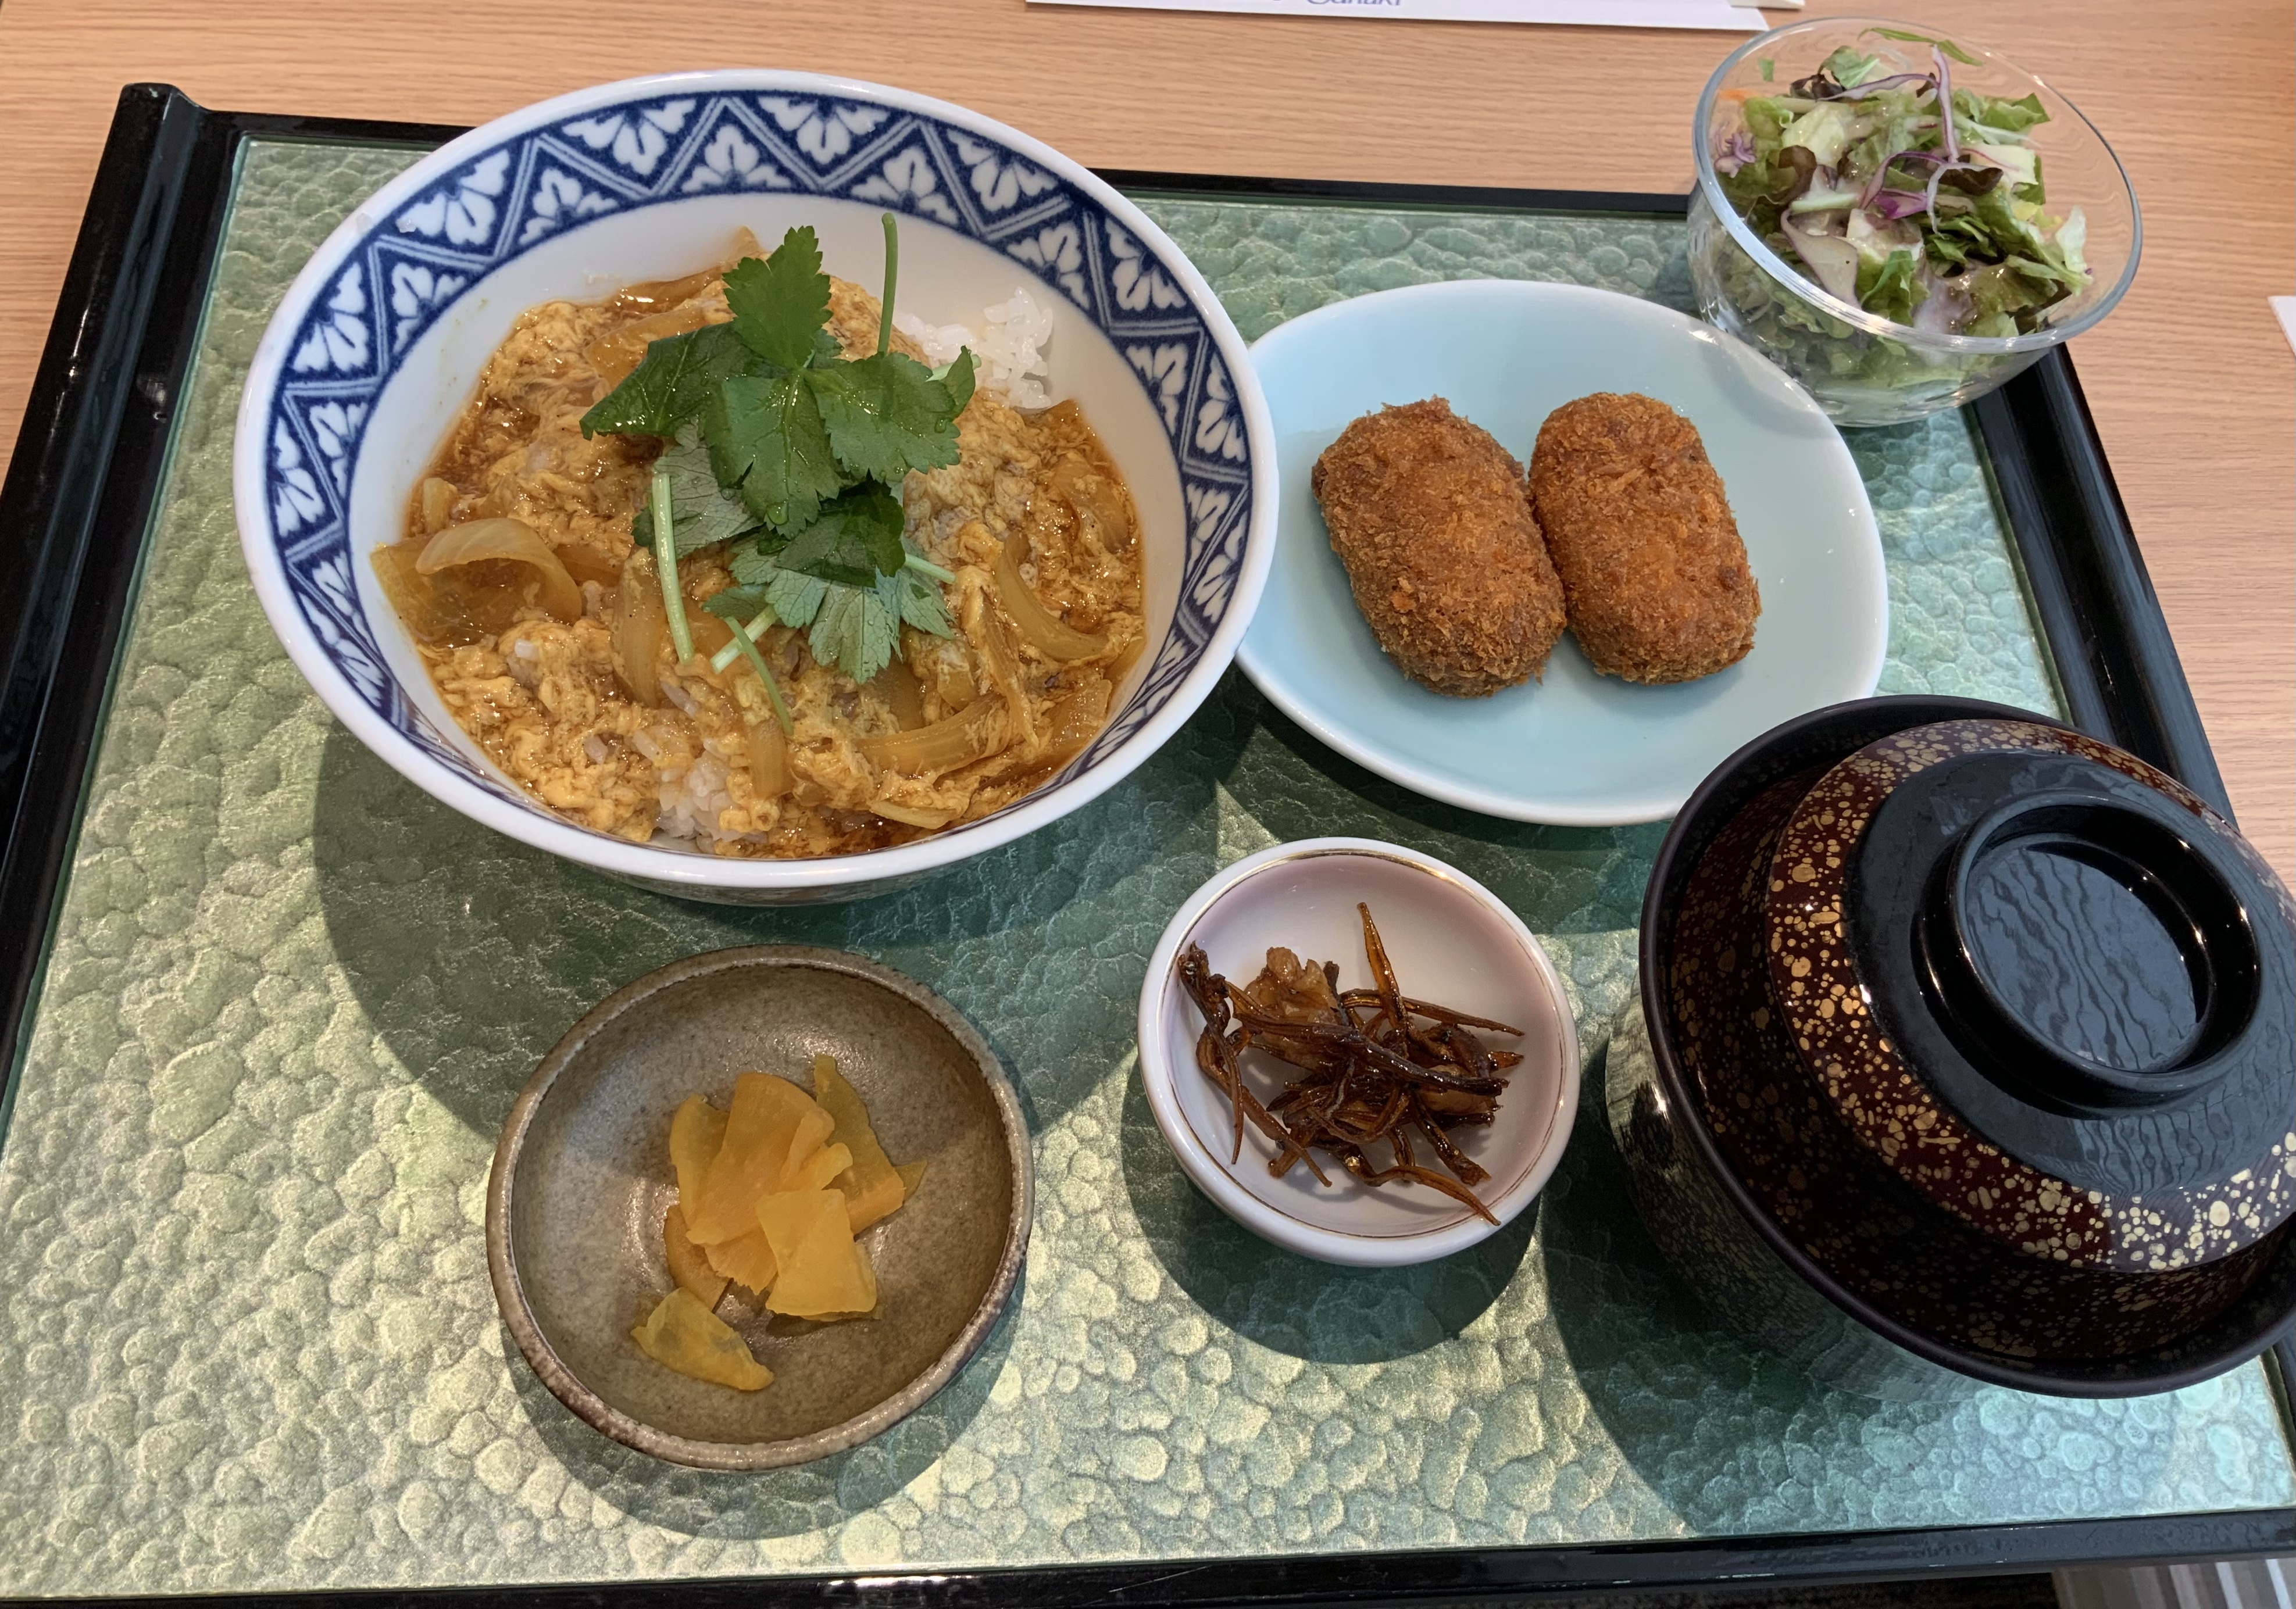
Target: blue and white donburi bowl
pixel 382 338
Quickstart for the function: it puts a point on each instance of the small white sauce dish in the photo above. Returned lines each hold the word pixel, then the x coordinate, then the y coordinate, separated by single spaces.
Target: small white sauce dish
pixel 1452 942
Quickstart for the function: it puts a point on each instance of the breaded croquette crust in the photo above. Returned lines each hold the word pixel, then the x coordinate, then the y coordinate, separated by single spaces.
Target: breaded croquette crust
pixel 1429 516
pixel 1653 571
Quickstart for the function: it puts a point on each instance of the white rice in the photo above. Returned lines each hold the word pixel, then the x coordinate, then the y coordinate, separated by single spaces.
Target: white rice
pixel 1008 347
pixel 691 798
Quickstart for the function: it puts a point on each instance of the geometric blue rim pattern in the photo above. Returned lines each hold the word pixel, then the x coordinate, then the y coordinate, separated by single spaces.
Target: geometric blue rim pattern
pixel 655 149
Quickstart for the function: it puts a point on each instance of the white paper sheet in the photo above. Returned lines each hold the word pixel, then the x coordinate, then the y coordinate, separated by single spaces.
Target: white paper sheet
pixel 1719 15
pixel 2285 308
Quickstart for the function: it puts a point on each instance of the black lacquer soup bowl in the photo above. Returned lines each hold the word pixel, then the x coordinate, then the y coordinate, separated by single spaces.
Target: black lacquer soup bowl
pixel 1988 1032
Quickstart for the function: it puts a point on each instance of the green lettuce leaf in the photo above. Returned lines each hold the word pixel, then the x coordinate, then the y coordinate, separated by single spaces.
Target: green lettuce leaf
pixel 1946 46
pixel 1891 288
pixel 2001 117
pixel 1765 120
pixel 1850 67
pixel 1893 118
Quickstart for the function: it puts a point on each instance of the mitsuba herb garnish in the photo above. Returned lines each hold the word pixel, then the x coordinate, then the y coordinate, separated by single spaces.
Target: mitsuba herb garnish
pixel 794 453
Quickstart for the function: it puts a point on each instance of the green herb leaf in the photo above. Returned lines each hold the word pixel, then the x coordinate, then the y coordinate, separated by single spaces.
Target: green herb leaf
pixel 916 600
pixel 887 414
pixel 794 599
pixel 700 513
pixel 855 631
pixel 671 384
pixel 1946 46
pixel 780 302
pixel 957 375
pixel 766 438
pixel 738 604
pixel 856 538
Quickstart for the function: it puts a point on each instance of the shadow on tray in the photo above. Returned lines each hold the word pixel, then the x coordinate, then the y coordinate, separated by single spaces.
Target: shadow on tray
pixel 1694 1410
pixel 1559 879
pixel 471 953
pixel 1292 1303
pixel 774 1502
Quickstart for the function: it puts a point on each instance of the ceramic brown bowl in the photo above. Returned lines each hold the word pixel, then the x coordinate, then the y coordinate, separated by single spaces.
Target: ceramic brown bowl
pixel 582 1178
pixel 1985 1028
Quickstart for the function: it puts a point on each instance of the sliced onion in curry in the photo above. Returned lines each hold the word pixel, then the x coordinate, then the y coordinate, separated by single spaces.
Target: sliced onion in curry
pixel 1075 720
pixel 1089 488
pixel 972 734
pixel 615 356
pixel 898 685
pixel 910 815
pixel 1040 627
pixel 710 633
pixel 585 563
pixel 639 629
pixel 770 776
pixel 428 616
pixel 511 540
pixel 439 495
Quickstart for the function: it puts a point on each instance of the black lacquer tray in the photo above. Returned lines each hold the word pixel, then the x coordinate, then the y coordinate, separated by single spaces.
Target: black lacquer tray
pixel 77 517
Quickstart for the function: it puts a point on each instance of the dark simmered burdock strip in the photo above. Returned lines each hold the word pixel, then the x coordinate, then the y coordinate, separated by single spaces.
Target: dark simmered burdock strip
pixel 1372 1065
pixel 1216 1055
pixel 1420 1007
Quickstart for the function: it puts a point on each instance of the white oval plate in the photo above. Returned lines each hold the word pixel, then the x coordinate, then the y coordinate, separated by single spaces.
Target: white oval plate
pixel 1578 748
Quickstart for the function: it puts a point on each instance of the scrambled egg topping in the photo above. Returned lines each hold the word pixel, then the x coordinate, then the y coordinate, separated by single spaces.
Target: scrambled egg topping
pixel 1034 520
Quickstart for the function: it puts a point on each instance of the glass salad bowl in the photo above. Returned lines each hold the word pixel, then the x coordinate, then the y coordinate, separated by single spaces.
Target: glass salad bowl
pixel 1892 265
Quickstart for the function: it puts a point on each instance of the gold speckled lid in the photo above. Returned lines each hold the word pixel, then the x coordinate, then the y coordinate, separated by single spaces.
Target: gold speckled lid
pixel 2046 986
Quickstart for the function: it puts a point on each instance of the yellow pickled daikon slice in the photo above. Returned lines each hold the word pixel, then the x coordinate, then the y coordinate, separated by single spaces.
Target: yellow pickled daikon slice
pixel 688 1265
pixel 696 1133
pixel 912 1174
pixel 872 1189
pixel 822 1274
pixel 747 1259
pixel 820 1169
pixel 682 1335
pixel 773 1127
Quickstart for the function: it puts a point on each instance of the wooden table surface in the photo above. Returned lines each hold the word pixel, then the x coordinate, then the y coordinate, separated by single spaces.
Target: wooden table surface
pixel 2190 379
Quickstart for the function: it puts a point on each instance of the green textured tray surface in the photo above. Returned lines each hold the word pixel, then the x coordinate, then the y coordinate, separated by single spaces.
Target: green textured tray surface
pixel 249 1341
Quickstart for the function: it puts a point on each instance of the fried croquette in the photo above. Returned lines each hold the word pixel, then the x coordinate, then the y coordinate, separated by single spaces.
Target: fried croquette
pixel 1429 516
pixel 1654 576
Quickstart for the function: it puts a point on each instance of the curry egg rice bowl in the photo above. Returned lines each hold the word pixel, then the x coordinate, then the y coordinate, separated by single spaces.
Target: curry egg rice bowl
pixel 732 562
